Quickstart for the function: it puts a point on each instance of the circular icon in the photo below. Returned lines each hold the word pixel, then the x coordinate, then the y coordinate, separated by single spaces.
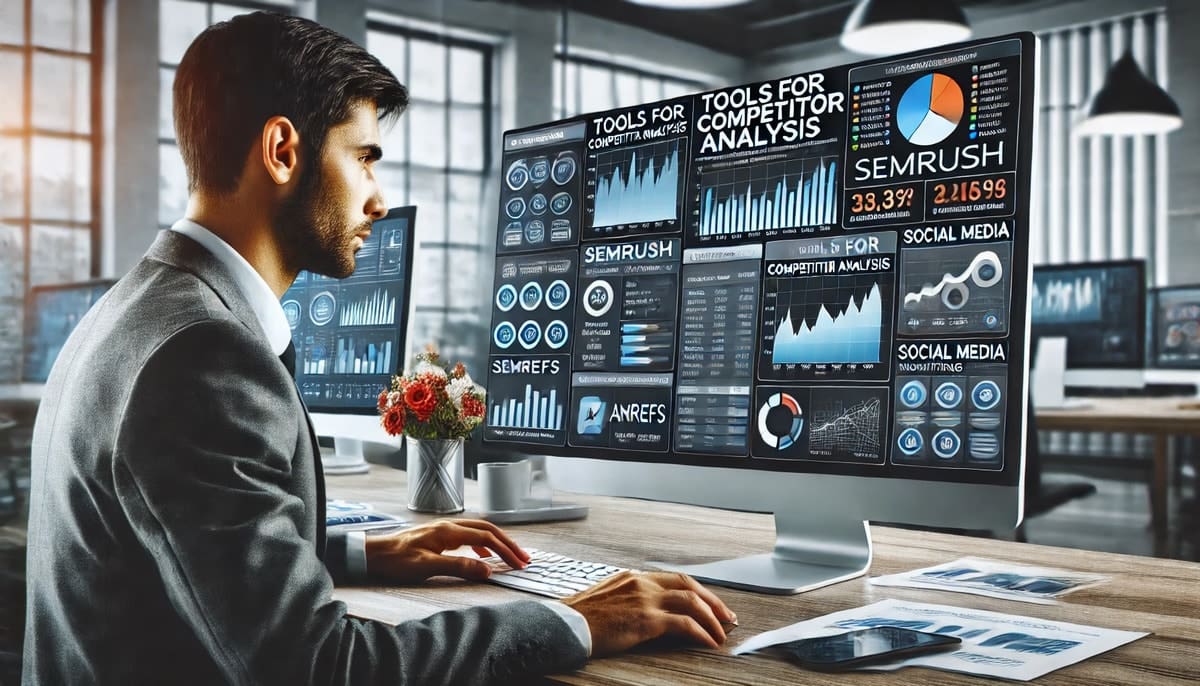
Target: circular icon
pixel 988 269
pixel 598 298
pixel 293 312
pixel 780 421
pixel 914 394
pixel 517 175
pixel 991 320
pixel 985 395
pixel 565 166
pixel 537 204
pixel 930 109
pixel 948 395
pixel 504 335
pixel 560 203
pixel 557 295
pixel 530 334
pixel 322 308
pixel 515 208
pixel 531 296
pixel 946 444
pixel 910 442
pixel 506 297
pixel 539 170
pixel 535 231
pixel 955 295
pixel 556 334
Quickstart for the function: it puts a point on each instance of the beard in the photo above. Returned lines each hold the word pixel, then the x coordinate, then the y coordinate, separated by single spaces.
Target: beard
pixel 311 231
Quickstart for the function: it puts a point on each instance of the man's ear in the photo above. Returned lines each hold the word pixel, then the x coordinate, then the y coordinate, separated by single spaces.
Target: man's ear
pixel 280 149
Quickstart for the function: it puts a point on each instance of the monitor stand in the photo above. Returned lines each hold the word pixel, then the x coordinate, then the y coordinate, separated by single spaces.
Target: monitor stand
pixel 347 457
pixel 810 552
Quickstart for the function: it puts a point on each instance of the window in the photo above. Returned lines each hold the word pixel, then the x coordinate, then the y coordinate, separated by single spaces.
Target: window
pixel 438 156
pixel 49 159
pixel 585 84
pixel 1100 197
pixel 179 22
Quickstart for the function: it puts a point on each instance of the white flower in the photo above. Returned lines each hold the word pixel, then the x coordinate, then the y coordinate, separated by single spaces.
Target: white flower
pixel 427 368
pixel 457 388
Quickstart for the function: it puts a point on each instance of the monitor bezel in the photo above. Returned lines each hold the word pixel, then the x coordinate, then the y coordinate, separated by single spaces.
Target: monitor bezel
pixel 1153 361
pixel 1140 360
pixel 408 212
pixel 31 307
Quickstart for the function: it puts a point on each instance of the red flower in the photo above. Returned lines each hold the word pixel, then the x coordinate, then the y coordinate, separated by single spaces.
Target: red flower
pixel 420 398
pixel 383 398
pixel 393 420
pixel 472 407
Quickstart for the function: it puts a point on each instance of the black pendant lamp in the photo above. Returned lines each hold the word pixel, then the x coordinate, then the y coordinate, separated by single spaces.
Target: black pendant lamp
pixel 1129 104
pixel 888 27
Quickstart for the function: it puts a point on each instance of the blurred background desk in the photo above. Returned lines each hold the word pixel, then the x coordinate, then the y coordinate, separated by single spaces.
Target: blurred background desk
pixel 1158 417
pixel 1160 596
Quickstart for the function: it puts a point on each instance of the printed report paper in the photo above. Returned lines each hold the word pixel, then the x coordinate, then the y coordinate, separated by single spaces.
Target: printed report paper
pixel 995 579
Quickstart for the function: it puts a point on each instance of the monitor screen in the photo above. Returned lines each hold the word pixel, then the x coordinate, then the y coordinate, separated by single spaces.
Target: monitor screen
pixel 54 311
pixel 1175 328
pixel 350 333
pixel 825 272
pixel 1099 307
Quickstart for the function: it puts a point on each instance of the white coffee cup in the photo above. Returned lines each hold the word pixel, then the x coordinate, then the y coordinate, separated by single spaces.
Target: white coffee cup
pixel 504 485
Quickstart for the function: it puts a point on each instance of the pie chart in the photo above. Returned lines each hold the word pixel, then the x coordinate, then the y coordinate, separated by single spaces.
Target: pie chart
pixel 930 109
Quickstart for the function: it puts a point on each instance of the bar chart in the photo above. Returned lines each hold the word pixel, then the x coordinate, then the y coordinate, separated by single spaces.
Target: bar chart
pixel 637 185
pixel 376 309
pixel 349 355
pixel 537 409
pixel 771 196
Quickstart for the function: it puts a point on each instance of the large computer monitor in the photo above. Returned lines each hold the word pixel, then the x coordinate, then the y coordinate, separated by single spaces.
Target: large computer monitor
pixel 805 296
pixel 1100 308
pixel 350 336
pixel 52 314
pixel 1175 327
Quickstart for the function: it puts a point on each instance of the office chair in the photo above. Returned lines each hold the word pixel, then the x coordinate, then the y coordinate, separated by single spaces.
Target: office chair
pixel 1041 497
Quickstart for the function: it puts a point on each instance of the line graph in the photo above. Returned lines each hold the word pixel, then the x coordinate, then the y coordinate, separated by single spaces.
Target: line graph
pixel 848 332
pixel 639 184
pixel 955 289
pixel 846 425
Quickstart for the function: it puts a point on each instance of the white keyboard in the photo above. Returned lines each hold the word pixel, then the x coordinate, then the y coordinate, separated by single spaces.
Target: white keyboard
pixel 549 574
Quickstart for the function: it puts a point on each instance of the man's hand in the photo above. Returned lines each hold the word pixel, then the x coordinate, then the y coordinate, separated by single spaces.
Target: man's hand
pixel 416 554
pixel 628 609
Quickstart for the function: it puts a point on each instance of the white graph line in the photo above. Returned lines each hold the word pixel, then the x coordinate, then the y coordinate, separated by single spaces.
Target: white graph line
pixel 985 257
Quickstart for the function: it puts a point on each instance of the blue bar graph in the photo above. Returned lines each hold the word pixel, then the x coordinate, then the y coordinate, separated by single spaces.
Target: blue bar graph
pixel 637 185
pixel 535 410
pixel 769 197
pixel 850 334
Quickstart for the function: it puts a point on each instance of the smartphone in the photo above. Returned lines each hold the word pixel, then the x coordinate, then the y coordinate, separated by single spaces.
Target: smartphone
pixel 862 648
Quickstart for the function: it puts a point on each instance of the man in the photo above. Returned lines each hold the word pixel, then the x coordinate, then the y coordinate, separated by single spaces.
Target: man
pixel 176 529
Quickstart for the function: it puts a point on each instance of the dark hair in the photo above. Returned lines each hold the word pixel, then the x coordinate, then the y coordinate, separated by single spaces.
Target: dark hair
pixel 237 74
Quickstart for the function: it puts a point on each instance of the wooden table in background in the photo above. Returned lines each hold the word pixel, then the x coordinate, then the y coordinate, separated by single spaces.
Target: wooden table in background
pixel 1159 417
pixel 1145 594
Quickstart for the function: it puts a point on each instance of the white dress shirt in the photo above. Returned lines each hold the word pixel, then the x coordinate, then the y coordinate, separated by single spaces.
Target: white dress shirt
pixel 269 312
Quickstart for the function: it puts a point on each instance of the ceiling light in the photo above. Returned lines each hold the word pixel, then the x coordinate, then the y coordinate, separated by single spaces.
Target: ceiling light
pixel 688 4
pixel 888 27
pixel 1129 104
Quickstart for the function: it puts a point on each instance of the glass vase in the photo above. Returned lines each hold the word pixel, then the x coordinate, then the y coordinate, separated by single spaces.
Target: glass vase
pixel 435 475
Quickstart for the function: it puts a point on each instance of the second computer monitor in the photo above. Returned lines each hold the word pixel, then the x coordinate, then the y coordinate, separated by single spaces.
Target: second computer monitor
pixel 1099 307
pixel 1175 328
pixel 350 333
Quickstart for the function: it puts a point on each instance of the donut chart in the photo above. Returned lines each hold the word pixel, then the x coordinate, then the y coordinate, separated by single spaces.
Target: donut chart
pixel 930 109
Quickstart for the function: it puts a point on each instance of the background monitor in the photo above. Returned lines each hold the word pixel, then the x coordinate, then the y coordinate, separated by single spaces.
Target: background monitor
pixel 1100 308
pixel 1175 327
pixel 350 336
pixel 805 296
pixel 53 313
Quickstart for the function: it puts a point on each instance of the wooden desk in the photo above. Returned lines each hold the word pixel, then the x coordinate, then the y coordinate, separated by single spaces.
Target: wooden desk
pixel 1160 417
pixel 1146 594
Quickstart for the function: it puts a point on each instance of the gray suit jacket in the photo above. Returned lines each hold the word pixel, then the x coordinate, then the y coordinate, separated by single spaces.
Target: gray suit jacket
pixel 176 527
